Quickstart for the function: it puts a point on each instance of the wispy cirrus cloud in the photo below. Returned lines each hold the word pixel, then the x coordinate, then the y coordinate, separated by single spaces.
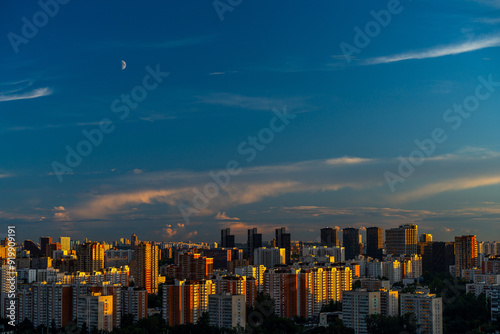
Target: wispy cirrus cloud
pixel 224 216
pixel 32 94
pixel 488 20
pixel 351 180
pixel 251 186
pixel 347 161
pixel 454 184
pixel 439 51
pixel 491 3
pixel 255 102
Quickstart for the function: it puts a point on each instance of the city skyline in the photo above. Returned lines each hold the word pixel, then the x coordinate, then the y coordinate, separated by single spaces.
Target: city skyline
pixel 231 166
pixel 380 241
pixel 311 122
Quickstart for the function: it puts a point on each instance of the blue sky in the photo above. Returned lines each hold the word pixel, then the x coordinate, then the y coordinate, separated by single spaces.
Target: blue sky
pixel 349 123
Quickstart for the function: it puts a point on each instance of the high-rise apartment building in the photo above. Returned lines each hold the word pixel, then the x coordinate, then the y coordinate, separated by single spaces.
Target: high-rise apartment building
pixel 83 289
pixel 282 285
pixel 65 243
pixel 402 240
pixel 45 303
pixel 185 301
pixel 191 266
pixel 283 240
pixel 356 306
pixel 374 242
pixel 135 302
pixel 495 303
pixel 256 272
pixel 30 246
pixel 491 265
pixel 351 242
pixel 466 255
pixel 269 257
pixel 7 276
pixel 329 237
pixel 233 284
pixel 338 253
pixel 428 311
pixel 96 311
pixel 425 237
pixel 90 257
pixel 437 256
pixel 226 238
pixel 50 248
pixel 254 241
pixel 134 241
pixel 302 292
pixel 389 303
pixel 221 257
pixel 227 310
pixel 44 241
pixel 145 266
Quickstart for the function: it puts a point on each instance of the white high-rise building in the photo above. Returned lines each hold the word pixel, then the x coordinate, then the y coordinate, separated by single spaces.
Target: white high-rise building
pixel 495 303
pixel 269 257
pixel 256 272
pixel 7 285
pixel 392 270
pixel 389 300
pixel 356 306
pixel 338 253
pixel 96 311
pixel 227 310
pixel 428 310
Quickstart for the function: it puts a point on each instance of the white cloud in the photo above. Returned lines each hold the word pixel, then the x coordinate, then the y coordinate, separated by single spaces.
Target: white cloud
pixel 347 161
pixel 440 51
pixel 27 95
pixel 60 213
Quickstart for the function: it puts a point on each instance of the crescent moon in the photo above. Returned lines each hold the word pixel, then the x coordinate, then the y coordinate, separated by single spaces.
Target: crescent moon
pixel 124 64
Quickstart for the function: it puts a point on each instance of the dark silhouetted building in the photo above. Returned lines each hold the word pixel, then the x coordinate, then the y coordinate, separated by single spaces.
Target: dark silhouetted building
pixel 351 242
pixel 283 240
pixel 50 248
pixel 254 241
pixel 401 240
pixel 32 247
pixel 329 237
pixel 425 237
pixel 437 256
pixel 374 242
pixel 443 256
pixel 226 239
pixel 220 256
pixel 90 257
pixel 44 241
pixel 134 241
